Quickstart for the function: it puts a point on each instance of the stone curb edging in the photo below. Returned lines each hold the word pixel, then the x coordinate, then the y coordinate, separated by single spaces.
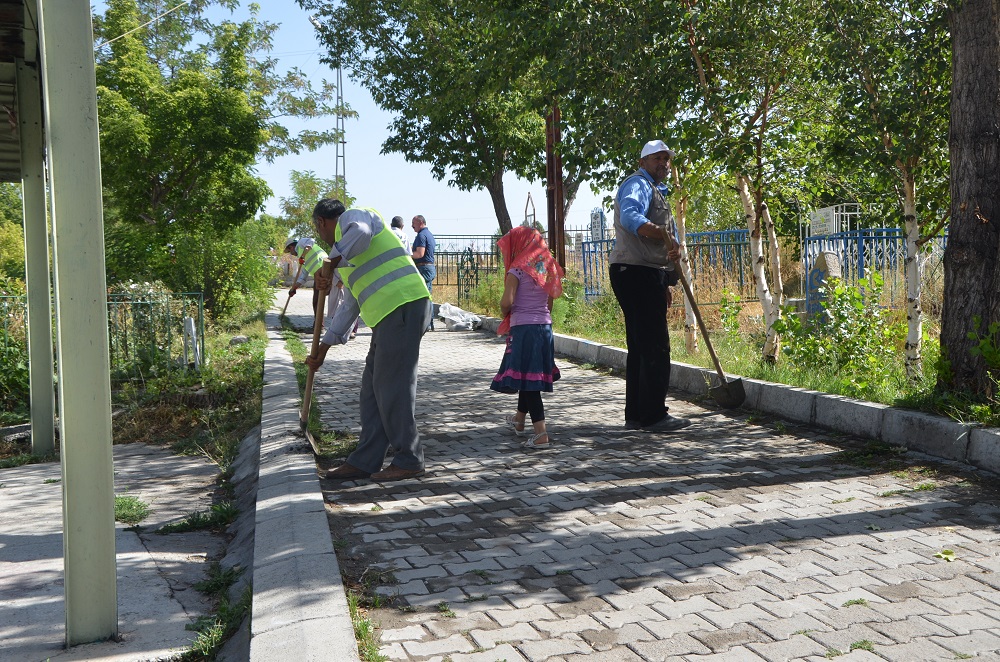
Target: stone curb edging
pixel 934 435
pixel 299 602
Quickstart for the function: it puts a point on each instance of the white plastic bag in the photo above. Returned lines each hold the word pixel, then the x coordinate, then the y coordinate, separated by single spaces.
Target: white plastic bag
pixel 456 319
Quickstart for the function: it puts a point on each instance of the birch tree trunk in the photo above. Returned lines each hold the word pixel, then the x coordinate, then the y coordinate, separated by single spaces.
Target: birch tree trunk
pixel 771 342
pixel 914 314
pixel 690 324
pixel 772 241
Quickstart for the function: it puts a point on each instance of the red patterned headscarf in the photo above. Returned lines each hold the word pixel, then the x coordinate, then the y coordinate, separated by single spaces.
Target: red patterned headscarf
pixel 525 249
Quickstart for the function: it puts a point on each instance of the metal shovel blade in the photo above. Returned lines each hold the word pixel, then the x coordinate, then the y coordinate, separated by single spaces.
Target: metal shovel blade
pixel 729 395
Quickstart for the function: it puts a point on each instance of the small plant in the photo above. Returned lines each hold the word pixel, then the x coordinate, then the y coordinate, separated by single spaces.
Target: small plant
pixel 340 543
pixel 365 631
pixel 377 508
pixel 50 481
pixel 730 307
pixel 891 493
pixel 475 598
pixel 214 630
pixel 220 515
pixel 856 601
pixel 219 581
pixel 864 645
pixel 925 487
pixel 446 610
pixel 832 653
pixel 780 427
pixel 963 656
pixel 130 510
pixel 848 499
pixel 481 573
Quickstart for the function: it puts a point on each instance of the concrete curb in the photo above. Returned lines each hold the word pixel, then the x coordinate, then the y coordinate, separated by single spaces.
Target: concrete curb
pixel 299 602
pixel 934 435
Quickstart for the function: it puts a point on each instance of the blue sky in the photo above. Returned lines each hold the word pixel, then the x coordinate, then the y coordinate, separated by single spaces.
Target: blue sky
pixel 386 182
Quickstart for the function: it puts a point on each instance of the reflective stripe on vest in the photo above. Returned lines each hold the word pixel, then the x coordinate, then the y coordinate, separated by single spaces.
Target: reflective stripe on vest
pixel 314 259
pixel 383 277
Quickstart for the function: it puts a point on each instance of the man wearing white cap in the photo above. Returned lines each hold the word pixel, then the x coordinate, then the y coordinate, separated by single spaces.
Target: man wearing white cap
pixel 642 271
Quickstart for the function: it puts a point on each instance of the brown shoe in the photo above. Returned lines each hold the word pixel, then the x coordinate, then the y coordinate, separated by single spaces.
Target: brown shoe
pixel 392 472
pixel 346 472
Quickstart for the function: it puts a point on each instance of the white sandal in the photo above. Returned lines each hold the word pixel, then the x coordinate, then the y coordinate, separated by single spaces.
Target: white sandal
pixel 532 441
pixel 512 423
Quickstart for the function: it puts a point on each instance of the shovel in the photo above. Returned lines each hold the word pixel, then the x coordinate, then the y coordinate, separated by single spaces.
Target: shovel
pixel 729 394
pixel 297 272
pixel 326 271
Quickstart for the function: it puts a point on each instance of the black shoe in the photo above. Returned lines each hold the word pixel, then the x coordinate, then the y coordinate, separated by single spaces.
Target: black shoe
pixel 667 424
pixel 633 425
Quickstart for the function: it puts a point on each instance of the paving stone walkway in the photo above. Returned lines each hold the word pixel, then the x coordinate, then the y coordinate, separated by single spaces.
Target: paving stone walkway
pixel 740 538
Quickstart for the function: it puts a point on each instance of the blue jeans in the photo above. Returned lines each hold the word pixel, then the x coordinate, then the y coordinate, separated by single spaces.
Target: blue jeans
pixel 428 272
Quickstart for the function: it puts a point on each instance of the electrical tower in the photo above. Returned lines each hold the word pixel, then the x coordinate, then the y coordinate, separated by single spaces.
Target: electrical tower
pixel 340 166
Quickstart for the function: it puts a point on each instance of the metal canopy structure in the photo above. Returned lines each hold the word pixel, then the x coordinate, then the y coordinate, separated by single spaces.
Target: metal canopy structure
pixel 12 49
pixel 49 144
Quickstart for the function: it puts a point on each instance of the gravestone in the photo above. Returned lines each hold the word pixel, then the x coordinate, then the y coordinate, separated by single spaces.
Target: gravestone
pixel 825 266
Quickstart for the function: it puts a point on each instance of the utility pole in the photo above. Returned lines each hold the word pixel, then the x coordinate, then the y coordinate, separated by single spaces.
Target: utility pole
pixel 340 160
pixel 554 186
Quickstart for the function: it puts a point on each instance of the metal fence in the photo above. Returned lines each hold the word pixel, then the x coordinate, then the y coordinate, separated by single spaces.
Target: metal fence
pixel 719 260
pixel 877 250
pixel 145 332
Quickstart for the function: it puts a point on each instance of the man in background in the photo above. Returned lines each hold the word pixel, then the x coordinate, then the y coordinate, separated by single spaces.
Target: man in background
pixel 397 229
pixel 423 255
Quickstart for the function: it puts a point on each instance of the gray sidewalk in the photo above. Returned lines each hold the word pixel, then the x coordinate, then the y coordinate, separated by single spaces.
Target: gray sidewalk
pixel 156 573
pixel 744 537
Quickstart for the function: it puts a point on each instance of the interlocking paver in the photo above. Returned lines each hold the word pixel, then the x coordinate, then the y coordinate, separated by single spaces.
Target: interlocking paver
pixel 720 542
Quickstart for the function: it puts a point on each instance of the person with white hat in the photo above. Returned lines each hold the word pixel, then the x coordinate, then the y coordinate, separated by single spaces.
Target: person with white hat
pixel 642 271
pixel 311 258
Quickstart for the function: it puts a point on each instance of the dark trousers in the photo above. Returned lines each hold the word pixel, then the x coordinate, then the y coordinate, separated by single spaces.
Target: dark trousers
pixel 641 293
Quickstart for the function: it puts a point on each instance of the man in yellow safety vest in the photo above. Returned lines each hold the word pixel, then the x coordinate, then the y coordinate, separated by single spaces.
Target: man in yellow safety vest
pixel 383 283
pixel 310 257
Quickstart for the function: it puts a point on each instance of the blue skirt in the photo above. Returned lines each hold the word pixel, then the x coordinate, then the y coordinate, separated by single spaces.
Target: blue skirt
pixel 529 360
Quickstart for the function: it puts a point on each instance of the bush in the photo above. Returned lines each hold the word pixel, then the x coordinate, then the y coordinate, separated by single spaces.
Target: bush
pixel 852 338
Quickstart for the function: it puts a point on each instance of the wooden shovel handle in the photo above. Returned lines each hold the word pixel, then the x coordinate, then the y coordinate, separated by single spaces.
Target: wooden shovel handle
pixel 670 242
pixel 289 299
pixel 326 271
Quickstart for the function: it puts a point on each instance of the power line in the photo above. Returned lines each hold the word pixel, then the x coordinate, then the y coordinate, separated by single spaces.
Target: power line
pixel 152 20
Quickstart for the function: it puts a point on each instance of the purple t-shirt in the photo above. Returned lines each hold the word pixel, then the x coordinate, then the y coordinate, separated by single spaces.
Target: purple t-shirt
pixel 530 302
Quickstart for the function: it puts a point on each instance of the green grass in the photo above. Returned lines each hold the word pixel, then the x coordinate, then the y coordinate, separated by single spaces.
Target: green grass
pixel 219 516
pixel 21 459
pixel 856 601
pixel 365 631
pixel 130 510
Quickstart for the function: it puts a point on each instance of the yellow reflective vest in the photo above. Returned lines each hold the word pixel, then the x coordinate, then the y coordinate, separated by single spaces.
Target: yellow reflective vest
pixel 314 258
pixel 383 277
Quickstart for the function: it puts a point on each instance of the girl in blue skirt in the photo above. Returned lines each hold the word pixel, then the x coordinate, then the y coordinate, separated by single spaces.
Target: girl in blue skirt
pixel 533 279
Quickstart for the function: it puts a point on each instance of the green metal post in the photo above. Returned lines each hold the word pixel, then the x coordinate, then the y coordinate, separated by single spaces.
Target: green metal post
pixel 36 259
pixel 70 94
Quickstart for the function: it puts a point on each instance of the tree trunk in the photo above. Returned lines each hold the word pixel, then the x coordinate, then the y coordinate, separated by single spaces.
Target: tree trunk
pixel 495 187
pixel 914 315
pixel 771 342
pixel 971 265
pixel 772 242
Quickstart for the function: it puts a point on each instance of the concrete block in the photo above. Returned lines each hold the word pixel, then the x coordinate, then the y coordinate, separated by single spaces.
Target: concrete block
pixel 297 591
pixel 934 435
pixel 317 640
pixel 491 324
pixel 566 345
pixel 276 539
pixel 689 378
pixel 793 404
pixel 984 449
pixel 857 417
pixel 613 357
pixel 588 351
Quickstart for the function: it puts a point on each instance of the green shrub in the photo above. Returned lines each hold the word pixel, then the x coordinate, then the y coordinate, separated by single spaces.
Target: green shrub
pixel 851 338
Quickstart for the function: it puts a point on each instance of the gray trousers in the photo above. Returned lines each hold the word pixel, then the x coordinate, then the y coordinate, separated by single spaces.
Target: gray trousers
pixel 389 391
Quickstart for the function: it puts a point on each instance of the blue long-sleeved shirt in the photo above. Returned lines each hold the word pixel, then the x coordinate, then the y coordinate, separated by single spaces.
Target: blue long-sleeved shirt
pixel 634 197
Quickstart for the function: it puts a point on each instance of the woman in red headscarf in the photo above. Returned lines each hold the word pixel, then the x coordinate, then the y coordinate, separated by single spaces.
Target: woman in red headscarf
pixel 533 279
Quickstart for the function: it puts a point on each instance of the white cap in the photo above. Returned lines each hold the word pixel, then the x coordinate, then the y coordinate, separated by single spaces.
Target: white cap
pixel 291 240
pixel 654 146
